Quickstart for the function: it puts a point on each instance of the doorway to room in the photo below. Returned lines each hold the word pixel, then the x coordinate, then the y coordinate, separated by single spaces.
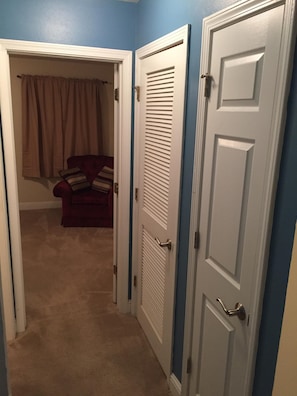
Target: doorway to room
pixel 122 128
pixel 38 206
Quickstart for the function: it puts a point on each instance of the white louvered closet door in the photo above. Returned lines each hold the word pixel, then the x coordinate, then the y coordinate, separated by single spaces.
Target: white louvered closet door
pixel 162 90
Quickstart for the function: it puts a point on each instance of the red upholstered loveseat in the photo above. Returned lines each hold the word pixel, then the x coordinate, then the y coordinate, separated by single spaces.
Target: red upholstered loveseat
pixel 87 207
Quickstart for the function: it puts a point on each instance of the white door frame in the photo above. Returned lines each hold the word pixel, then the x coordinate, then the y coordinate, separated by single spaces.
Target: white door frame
pixel 124 59
pixel 115 177
pixel 210 25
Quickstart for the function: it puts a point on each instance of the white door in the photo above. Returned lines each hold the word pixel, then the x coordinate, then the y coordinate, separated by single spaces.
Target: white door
pixel 161 78
pixel 238 152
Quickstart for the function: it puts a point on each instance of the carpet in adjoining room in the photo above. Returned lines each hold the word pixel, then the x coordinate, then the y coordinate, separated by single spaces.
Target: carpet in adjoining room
pixel 76 342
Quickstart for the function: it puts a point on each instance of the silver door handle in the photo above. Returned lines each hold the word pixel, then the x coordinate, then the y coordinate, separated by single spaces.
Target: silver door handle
pixel 238 310
pixel 164 244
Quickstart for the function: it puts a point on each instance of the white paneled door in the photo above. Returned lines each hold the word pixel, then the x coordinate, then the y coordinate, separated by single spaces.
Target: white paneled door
pixel 161 79
pixel 240 136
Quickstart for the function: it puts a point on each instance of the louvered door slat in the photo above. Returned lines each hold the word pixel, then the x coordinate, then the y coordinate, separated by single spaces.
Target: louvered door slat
pixel 155 182
pixel 158 143
pixel 153 282
pixel 156 173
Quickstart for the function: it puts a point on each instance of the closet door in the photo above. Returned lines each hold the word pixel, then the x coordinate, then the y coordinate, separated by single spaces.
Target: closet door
pixel 238 143
pixel 161 78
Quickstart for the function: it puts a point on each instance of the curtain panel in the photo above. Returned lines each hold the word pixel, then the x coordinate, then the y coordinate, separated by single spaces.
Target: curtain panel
pixel 61 117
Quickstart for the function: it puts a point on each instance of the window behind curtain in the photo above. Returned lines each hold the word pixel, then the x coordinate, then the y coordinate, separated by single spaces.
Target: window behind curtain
pixel 61 117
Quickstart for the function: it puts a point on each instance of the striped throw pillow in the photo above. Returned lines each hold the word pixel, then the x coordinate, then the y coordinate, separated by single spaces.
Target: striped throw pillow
pixel 104 180
pixel 75 178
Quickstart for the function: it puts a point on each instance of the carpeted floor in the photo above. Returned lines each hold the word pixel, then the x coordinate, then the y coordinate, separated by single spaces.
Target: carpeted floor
pixel 76 342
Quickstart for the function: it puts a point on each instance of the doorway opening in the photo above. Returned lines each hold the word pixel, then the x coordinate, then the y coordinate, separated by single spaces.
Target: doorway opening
pixel 36 194
pixel 13 271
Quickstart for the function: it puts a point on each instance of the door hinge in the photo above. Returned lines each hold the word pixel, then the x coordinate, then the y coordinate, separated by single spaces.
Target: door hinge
pixel 196 240
pixel 189 365
pixel 115 270
pixel 136 194
pixel 207 86
pixel 116 188
pixel 134 280
pixel 116 94
pixel 137 89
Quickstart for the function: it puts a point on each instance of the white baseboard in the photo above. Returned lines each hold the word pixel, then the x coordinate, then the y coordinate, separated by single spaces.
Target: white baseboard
pixel 174 385
pixel 40 205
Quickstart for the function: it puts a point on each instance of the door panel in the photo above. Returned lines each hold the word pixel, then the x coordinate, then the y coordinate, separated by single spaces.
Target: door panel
pixel 162 83
pixel 215 343
pixel 243 66
pixel 227 209
pixel 240 82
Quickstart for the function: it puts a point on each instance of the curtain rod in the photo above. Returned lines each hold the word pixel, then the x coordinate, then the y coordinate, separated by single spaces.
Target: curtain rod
pixel 104 82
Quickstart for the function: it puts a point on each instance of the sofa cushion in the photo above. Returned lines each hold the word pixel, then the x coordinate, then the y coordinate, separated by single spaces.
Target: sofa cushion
pixel 89 197
pixel 104 180
pixel 90 164
pixel 75 178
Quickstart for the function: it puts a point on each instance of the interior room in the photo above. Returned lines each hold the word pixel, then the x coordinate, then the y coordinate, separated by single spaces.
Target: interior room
pixel 130 25
pixel 38 192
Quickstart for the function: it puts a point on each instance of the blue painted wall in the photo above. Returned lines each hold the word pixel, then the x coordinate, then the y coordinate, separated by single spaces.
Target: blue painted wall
pixel 100 23
pixel 157 18
pixel 113 24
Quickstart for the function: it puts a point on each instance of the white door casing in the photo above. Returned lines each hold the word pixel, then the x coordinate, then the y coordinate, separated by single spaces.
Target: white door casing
pixel 7 287
pixel 161 77
pixel 246 50
pixel 124 61
pixel 115 181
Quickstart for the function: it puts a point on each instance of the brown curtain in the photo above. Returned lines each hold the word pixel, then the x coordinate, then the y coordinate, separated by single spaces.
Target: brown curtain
pixel 60 117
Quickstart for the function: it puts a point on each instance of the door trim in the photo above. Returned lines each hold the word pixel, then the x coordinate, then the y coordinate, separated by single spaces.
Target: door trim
pixel 115 180
pixel 212 23
pixel 124 59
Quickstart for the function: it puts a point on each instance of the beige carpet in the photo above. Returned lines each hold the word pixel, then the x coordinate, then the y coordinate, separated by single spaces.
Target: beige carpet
pixel 76 342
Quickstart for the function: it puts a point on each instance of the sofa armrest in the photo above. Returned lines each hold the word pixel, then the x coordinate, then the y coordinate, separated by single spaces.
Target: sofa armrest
pixel 62 189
